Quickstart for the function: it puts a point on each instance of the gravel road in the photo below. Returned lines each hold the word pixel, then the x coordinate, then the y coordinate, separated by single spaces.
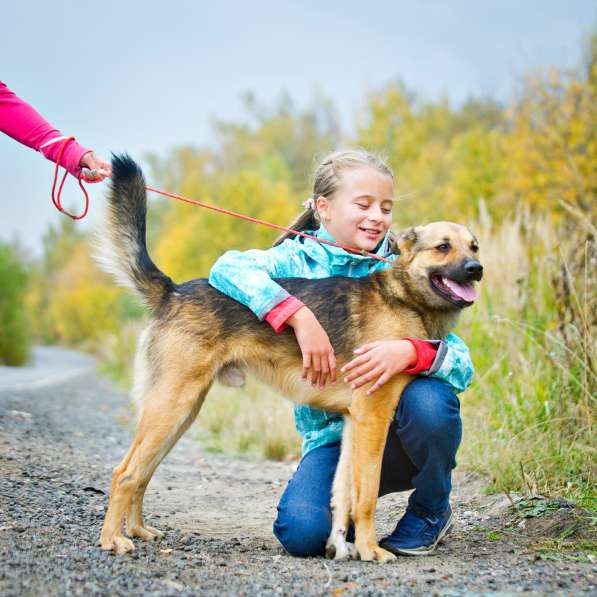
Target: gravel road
pixel 62 430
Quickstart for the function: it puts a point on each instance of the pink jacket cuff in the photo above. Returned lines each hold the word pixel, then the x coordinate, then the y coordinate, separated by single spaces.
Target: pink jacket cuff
pixel 426 352
pixel 278 316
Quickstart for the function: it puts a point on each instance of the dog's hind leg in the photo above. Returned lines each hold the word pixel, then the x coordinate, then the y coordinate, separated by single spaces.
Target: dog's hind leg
pixel 337 547
pixel 168 410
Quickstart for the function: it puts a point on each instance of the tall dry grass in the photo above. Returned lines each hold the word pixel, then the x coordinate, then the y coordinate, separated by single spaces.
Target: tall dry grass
pixel 529 416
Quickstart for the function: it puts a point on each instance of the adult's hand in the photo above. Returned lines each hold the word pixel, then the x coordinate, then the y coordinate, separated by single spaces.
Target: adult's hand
pixel 95 168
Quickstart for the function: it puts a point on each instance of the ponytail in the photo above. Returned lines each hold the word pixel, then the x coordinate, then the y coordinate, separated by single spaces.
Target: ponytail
pixel 308 220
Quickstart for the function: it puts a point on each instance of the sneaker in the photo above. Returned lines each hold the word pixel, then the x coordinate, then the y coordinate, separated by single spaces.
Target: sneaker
pixel 417 536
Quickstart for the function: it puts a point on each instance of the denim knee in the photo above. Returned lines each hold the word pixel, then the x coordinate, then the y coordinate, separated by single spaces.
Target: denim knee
pixel 304 531
pixel 431 407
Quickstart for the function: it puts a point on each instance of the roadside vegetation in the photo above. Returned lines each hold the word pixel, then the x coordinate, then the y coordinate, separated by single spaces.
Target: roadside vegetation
pixel 15 336
pixel 523 176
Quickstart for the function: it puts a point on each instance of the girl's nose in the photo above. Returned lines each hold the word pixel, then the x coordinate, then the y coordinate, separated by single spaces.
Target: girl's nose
pixel 375 214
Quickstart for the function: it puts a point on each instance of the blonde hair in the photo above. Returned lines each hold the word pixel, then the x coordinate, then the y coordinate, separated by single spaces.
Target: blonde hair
pixel 326 180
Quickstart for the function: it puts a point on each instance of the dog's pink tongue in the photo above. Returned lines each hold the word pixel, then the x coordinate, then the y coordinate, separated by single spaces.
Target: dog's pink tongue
pixel 465 292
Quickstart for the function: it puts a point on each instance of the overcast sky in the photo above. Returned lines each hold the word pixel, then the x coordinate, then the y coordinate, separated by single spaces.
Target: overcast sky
pixel 144 76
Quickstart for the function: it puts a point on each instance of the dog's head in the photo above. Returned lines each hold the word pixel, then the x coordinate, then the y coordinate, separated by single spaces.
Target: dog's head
pixel 441 261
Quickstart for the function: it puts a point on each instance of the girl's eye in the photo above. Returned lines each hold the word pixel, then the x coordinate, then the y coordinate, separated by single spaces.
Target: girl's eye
pixel 444 247
pixel 386 211
pixel 362 205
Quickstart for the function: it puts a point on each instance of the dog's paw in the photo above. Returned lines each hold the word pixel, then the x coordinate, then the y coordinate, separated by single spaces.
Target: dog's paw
pixel 339 549
pixel 374 553
pixel 119 544
pixel 146 532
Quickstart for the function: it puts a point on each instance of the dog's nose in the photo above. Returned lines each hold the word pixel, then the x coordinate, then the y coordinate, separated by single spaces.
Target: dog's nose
pixel 474 269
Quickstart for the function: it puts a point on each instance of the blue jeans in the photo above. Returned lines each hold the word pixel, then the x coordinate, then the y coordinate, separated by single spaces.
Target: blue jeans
pixel 420 453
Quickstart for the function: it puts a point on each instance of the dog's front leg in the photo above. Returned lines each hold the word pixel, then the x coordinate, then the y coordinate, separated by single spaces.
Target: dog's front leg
pixel 337 547
pixel 371 416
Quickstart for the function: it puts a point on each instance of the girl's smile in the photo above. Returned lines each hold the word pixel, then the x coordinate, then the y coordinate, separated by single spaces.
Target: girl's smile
pixel 360 212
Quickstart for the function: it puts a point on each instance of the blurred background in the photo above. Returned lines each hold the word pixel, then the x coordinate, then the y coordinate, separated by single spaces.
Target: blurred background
pixel 487 113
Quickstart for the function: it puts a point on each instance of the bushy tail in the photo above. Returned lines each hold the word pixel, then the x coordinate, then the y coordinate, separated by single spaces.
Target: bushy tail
pixel 121 248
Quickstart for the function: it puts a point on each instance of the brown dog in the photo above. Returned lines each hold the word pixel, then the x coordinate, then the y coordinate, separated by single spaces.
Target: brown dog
pixel 197 334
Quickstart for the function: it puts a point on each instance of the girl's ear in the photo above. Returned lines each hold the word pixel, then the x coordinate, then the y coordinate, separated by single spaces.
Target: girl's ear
pixel 322 207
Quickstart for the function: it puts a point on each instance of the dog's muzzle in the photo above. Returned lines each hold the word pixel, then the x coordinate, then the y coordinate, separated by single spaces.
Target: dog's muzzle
pixel 473 269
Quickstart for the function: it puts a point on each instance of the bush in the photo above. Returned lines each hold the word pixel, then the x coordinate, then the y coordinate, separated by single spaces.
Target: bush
pixel 15 343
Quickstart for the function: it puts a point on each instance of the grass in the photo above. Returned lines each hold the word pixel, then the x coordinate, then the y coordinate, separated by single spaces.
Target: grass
pixel 529 416
pixel 251 421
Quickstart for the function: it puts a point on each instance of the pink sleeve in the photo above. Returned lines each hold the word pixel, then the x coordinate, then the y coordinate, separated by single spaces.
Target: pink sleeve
pixel 24 124
pixel 426 353
pixel 281 312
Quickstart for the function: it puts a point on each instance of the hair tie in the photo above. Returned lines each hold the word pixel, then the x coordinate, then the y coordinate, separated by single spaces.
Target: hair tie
pixel 309 204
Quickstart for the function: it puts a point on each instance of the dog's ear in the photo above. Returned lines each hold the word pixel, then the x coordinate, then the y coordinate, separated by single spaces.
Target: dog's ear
pixel 393 243
pixel 406 240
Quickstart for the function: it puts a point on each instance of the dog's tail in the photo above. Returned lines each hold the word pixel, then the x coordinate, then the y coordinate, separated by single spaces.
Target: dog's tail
pixel 121 248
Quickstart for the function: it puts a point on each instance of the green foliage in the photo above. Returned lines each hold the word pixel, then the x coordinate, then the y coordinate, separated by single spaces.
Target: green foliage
pixel 529 416
pixel 14 325
pixel 535 508
pixel 69 299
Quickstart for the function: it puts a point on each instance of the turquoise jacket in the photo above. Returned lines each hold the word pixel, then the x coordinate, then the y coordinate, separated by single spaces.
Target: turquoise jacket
pixel 247 277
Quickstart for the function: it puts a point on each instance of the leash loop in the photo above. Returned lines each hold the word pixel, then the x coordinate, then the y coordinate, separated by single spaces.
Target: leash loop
pixel 56 200
pixel 57 197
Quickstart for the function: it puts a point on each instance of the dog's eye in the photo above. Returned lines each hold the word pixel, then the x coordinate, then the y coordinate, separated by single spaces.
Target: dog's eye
pixel 444 247
pixel 474 248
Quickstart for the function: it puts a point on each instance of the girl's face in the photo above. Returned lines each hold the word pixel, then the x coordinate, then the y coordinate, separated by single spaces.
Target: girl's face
pixel 360 212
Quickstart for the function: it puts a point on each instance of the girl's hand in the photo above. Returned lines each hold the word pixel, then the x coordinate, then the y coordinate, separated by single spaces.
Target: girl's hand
pixel 95 167
pixel 315 346
pixel 379 361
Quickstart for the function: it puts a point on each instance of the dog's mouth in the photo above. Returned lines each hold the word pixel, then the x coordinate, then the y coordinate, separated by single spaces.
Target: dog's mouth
pixel 458 293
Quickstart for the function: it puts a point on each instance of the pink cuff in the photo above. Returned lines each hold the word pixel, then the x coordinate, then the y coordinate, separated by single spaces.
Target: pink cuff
pixel 426 353
pixel 278 316
pixel 71 157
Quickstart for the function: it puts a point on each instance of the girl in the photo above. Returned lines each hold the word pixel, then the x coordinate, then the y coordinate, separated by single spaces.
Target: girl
pixel 352 205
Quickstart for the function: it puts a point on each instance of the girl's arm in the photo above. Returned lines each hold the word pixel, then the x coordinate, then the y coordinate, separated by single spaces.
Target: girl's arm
pixel 247 278
pixel 378 362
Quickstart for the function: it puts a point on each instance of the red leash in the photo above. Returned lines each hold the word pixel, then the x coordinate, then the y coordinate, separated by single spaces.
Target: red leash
pixel 269 224
pixel 56 198
pixel 57 203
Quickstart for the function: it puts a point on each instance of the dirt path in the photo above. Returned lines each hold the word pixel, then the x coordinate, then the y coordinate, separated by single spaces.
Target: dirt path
pixel 62 430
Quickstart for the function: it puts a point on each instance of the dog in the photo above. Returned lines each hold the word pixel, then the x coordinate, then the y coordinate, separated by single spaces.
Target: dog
pixel 197 334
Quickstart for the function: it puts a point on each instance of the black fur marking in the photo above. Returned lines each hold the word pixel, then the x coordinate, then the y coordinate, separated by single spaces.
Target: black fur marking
pixel 124 168
pixel 328 298
pixel 128 203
